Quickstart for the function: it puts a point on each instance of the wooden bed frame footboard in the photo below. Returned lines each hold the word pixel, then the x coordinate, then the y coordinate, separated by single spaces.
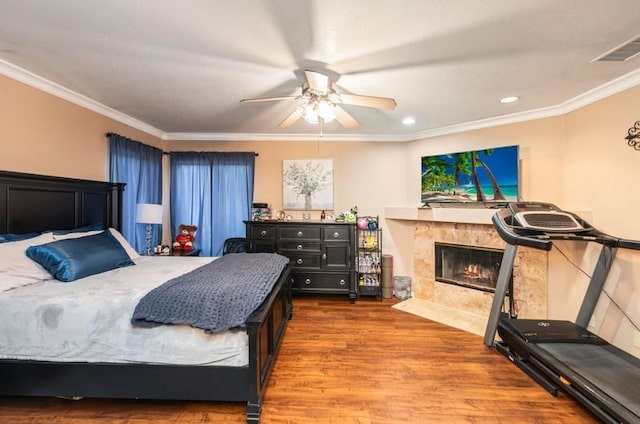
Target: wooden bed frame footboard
pixel 89 202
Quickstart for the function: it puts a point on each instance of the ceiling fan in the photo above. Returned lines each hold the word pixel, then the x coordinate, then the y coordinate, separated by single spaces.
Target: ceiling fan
pixel 320 103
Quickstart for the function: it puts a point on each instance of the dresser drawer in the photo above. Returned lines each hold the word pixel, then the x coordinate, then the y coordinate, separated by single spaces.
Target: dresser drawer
pixel 263 232
pixel 290 247
pixel 307 232
pixel 336 233
pixel 338 282
pixel 304 261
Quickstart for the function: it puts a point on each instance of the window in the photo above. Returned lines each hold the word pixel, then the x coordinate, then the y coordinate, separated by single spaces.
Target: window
pixel 213 191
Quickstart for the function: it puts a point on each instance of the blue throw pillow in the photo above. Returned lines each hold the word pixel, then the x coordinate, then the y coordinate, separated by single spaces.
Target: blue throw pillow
pixel 4 238
pixel 71 259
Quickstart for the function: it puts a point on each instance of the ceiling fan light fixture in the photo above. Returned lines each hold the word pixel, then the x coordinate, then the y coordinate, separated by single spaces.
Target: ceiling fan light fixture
pixel 326 111
pixel 313 110
pixel 320 103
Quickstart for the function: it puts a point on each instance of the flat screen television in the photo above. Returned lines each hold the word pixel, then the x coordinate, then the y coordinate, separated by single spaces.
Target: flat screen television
pixel 489 175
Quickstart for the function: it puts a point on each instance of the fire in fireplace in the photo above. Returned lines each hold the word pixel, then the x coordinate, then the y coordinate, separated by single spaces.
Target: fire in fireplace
pixel 467 266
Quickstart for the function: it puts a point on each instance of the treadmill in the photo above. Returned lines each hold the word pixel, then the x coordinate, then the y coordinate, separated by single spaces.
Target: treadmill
pixel 562 354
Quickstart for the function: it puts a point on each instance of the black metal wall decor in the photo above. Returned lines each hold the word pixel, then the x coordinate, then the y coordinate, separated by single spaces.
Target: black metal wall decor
pixel 633 139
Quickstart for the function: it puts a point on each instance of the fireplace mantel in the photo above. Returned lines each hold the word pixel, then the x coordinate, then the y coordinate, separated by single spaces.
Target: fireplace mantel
pixel 448 214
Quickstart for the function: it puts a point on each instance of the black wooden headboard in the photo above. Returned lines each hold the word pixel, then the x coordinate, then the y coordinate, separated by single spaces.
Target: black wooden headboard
pixel 33 203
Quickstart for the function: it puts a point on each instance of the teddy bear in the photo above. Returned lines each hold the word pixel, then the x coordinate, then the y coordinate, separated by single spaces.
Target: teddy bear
pixel 185 237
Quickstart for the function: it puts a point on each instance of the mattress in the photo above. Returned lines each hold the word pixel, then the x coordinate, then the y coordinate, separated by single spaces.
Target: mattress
pixel 88 320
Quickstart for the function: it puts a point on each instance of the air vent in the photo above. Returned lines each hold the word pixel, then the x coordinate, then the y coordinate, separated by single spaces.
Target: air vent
pixel 621 53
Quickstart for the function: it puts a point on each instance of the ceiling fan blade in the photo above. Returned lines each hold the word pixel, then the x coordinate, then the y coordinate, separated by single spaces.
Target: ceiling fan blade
pixel 268 99
pixel 345 119
pixel 291 119
pixel 368 101
pixel 316 81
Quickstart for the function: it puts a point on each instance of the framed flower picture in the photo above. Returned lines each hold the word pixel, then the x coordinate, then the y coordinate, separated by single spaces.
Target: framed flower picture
pixel 307 184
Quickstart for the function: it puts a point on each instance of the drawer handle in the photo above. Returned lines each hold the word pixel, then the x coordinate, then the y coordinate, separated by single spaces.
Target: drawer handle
pixel 336 234
pixel 342 282
pixel 299 233
pixel 263 232
pixel 299 261
pixel 307 281
pixel 299 247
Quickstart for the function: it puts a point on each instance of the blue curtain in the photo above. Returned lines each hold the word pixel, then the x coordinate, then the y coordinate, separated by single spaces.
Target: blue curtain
pixel 214 191
pixel 140 167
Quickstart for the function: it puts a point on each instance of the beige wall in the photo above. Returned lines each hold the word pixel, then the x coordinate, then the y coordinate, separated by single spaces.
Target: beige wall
pixel 601 170
pixel 601 177
pixel 43 134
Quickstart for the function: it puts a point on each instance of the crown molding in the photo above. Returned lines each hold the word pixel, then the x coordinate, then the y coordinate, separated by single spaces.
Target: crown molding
pixel 22 75
pixel 280 137
pixel 618 85
pixel 610 88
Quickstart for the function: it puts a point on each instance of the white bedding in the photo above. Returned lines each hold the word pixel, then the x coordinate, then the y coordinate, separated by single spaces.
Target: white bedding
pixel 88 320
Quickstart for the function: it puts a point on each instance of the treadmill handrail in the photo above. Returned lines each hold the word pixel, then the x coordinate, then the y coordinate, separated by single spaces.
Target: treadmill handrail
pixel 629 244
pixel 543 240
pixel 508 234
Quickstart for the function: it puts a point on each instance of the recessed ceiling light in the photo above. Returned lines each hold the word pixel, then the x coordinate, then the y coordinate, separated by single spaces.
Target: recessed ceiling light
pixel 408 121
pixel 509 99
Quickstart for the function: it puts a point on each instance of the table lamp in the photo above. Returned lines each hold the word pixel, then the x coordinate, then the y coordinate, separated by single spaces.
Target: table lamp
pixel 148 214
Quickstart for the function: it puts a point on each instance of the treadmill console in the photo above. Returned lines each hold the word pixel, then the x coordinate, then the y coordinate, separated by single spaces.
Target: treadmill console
pixel 544 217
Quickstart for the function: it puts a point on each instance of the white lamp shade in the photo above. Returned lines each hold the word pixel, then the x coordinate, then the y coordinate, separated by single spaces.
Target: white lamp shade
pixel 149 214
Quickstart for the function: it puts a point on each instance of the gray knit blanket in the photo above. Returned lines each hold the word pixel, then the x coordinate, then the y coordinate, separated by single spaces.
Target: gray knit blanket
pixel 215 297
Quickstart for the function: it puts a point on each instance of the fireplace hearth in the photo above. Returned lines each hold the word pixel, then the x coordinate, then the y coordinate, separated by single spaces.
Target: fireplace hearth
pixel 467 266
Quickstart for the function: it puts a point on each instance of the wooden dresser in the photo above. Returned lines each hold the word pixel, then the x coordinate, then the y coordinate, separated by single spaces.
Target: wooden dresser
pixel 322 253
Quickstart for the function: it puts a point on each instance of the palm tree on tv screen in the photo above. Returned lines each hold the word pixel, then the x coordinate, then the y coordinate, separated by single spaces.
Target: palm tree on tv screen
pixel 442 174
pixel 435 177
pixel 497 191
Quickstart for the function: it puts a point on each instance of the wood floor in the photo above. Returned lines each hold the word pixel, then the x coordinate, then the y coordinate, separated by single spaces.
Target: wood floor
pixel 350 363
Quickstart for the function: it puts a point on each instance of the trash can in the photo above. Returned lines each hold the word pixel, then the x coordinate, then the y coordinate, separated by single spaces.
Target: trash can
pixel 402 287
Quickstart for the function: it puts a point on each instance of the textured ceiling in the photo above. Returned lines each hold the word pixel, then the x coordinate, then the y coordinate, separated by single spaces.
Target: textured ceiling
pixel 182 67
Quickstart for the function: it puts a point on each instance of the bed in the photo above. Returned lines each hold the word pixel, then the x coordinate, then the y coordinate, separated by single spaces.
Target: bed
pixel 36 203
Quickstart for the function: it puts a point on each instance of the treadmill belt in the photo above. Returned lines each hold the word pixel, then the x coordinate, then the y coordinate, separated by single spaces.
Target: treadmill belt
pixel 612 370
pixel 551 331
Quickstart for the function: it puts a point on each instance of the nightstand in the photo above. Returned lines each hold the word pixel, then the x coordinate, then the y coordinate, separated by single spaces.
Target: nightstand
pixel 193 252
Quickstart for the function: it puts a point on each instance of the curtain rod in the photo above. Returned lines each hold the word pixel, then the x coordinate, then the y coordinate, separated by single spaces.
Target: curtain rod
pixel 168 153
pixel 109 134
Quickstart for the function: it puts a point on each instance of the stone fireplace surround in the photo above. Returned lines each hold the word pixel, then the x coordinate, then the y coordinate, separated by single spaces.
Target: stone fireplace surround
pixel 530 273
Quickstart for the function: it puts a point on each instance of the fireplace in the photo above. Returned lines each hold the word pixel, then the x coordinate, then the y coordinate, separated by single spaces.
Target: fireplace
pixel 467 266
pixel 530 277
